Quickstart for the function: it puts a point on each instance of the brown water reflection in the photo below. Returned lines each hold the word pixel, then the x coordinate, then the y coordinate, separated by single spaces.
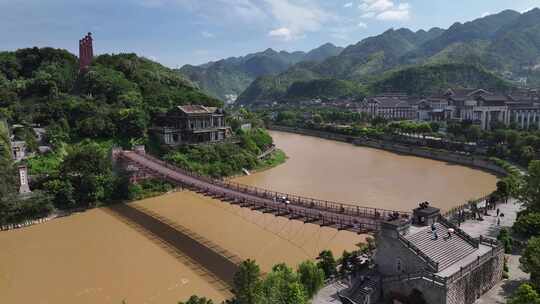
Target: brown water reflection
pixel 342 172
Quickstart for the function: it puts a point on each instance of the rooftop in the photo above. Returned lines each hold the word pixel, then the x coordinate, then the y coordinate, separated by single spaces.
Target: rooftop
pixel 447 251
pixel 197 109
pixel 388 102
pixel 426 210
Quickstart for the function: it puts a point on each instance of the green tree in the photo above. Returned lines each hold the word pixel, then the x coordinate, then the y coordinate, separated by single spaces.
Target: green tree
pixel 282 286
pixel 196 300
pixel 311 276
pixel 296 294
pixel 63 193
pixel 346 263
pixel 525 294
pixel 529 193
pixel 317 118
pixel 247 283
pixel 88 168
pixel 505 238
pixel 528 224
pixel 327 263
pixel 473 133
pixel 530 260
pixel 503 189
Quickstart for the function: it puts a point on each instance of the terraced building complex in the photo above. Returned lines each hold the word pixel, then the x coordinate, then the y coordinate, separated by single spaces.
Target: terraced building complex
pixel 479 106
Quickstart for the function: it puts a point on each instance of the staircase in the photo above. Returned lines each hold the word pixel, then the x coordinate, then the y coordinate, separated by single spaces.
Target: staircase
pixel 445 250
pixel 364 290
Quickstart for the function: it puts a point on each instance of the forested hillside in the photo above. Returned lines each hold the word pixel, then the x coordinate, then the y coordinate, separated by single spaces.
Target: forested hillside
pixel 507 43
pixel 114 99
pixel 430 79
pixel 84 116
pixel 230 77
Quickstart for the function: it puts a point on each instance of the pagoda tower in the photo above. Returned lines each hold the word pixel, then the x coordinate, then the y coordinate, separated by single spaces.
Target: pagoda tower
pixel 86 52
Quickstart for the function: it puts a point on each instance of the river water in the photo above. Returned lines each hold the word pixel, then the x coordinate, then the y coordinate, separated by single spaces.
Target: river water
pixel 369 177
pixel 100 256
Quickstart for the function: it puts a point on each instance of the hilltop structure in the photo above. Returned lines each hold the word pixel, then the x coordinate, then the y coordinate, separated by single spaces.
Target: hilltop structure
pixel 86 52
pixel 192 124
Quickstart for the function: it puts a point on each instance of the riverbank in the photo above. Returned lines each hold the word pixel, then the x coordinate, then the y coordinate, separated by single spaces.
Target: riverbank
pixel 441 155
pixel 258 139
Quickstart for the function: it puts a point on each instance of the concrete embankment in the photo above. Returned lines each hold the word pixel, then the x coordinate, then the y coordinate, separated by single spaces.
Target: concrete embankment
pixel 447 156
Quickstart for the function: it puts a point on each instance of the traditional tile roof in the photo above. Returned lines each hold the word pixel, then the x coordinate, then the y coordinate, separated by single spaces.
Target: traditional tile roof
pixel 465 93
pixel 193 109
pixel 387 102
pixel 198 109
pixel 493 100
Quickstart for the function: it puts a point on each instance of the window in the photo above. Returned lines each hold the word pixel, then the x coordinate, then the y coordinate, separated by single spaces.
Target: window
pixel 399 266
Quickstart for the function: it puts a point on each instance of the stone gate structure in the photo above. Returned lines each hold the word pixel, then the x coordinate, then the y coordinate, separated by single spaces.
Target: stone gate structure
pixel 431 258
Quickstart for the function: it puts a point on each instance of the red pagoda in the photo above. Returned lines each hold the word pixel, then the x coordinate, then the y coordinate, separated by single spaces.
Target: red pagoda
pixel 86 52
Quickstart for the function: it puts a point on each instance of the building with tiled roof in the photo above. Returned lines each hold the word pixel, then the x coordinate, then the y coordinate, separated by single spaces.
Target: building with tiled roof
pixel 481 107
pixel 389 106
pixel 192 124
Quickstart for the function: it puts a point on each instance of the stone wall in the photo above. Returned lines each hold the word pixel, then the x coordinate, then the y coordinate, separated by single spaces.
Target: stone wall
pixel 451 157
pixel 433 293
pixel 389 250
pixel 468 288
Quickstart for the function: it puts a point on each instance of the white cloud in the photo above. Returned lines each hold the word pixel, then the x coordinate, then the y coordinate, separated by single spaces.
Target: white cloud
pixel 376 5
pixel 217 10
pixel 348 4
pixel 394 15
pixel 368 15
pixel 362 25
pixel 294 20
pixel 282 33
pixel 206 34
pixel 386 10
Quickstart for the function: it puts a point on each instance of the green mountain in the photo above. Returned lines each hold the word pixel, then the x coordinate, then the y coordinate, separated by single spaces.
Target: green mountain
pixel 507 43
pixel 431 79
pixel 115 98
pixel 517 46
pixel 227 78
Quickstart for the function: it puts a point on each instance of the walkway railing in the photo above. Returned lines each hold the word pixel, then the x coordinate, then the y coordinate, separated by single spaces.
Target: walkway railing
pixel 340 216
pixel 311 203
pixel 474 242
pixel 495 251
pixel 424 275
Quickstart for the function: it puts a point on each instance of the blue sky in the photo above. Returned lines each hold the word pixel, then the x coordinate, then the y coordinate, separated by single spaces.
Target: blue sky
pixel 176 32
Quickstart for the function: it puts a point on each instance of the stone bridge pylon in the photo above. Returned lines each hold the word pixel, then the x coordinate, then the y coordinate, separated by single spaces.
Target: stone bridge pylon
pixel 309 210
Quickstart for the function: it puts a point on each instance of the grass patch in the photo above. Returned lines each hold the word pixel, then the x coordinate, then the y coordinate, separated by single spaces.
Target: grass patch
pixel 275 159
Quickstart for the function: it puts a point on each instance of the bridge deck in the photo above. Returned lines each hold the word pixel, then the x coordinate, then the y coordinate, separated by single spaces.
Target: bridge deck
pixel 325 213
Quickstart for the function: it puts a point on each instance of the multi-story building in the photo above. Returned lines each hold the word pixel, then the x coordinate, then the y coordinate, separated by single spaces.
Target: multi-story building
pixel 192 124
pixel 481 107
pixel 389 106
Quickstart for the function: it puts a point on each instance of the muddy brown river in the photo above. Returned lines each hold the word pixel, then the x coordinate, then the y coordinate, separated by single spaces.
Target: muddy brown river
pixel 106 256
